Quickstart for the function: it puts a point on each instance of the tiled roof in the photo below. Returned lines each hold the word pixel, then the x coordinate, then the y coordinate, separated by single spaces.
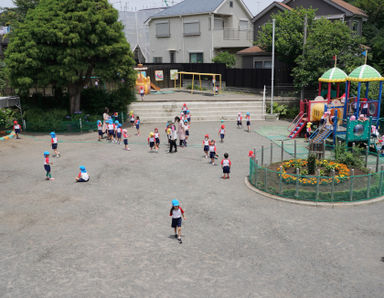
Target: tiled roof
pixel 277 4
pixel 284 5
pixel 350 7
pixel 189 7
pixel 251 50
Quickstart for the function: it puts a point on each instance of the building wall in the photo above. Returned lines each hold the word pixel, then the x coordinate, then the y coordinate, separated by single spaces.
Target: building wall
pixel 237 11
pixel 322 7
pixel 264 19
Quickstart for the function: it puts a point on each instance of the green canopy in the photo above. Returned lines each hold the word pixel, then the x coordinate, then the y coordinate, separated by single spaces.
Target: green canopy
pixel 333 75
pixel 365 73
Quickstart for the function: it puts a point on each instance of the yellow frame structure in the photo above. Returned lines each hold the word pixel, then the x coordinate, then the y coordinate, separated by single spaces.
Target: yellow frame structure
pixel 213 75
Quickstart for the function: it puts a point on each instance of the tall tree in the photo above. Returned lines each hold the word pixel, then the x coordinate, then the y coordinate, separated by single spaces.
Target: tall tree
pixel 62 43
pixel 325 40
pixel 13 15
pixel 289 34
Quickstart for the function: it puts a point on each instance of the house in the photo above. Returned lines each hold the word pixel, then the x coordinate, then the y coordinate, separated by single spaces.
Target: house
pixel 194 31
pixel 330 9
pixel 255 57
pixel 137 32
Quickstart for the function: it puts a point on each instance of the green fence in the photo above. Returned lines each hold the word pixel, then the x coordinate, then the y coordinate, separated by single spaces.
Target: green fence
pixel 264 175
pixel 62 126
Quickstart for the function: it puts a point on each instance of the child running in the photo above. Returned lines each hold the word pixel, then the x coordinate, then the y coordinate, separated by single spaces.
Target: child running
pixel 226 165
pixel 239 120
pixel 125 139
pixel 222 133
pixel 177 213
pixel 212 151
pixel 137 124
pixel 99 130
pixel 151 140
pixel 206 145
pixel 157 139
pixel 54 144
pixel 83 175
pixel 16 128
pixel 248 118
pixel 47 166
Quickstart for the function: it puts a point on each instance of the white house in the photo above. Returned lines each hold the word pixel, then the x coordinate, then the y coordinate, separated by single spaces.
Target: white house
pixel 194 31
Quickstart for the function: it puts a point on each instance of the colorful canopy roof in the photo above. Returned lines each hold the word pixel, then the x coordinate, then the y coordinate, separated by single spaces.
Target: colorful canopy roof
pixel 365 73
pixel 333 75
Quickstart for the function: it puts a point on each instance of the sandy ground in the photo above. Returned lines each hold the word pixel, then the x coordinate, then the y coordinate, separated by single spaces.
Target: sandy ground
pixel 111 237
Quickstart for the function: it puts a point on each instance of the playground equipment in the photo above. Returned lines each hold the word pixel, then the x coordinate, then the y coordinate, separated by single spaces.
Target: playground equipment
pixel 144 81
pixel 215 87
pixel 341 108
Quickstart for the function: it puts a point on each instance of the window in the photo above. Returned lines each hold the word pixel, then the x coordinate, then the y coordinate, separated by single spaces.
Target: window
pixel 219 24
pixel 196 58
pixel 243 25
pixel 172 55
pixel 258 64
pixel 267 65
pixel 192 28
pixel 162 29
pixel 230 3
pixel 157 59
pixel 355 26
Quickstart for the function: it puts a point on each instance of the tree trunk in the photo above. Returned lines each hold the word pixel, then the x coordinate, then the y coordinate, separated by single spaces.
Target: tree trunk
pixel 74 97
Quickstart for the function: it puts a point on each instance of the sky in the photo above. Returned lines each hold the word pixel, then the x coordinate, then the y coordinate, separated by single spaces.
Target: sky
pixel 254 6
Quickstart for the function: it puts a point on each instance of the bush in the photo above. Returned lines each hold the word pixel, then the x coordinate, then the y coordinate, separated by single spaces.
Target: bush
pixel 311 164
pixel 225 57
pixel 351 159
pixel 7 116
pixel 280 109
pixel 44 120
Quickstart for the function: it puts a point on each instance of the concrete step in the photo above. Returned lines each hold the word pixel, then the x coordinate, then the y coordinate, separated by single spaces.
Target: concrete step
pixel 150 112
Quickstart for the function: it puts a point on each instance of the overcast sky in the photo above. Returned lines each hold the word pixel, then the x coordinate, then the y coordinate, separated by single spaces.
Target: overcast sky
pixel 254 5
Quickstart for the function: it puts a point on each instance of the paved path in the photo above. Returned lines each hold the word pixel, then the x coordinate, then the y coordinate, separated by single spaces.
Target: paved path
pixel 111 237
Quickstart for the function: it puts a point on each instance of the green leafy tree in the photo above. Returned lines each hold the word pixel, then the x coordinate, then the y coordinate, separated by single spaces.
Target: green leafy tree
pixel 3 79
pixel 61 43
pixel 13 15
pixel 289 34
pixel 225 57
pixel 326 39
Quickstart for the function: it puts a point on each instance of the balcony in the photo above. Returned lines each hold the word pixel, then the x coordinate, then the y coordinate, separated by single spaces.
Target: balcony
pixel 232 38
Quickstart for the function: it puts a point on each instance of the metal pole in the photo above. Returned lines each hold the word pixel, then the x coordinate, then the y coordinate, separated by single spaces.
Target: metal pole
pixel 262 155
pixel 351 184
pixel 381 181
pixel 282 151
pixel 317 185
pixel 304 42
pixel 369 186
pixel 264 95
pixel 377 161
pixel 81 125
pixel 256 168
pixel 294 147
pixel 265 179
pixel 333 186
pixel 271 159
pixel 281 180
pixel 366 155
pixel 297 183
pixel 273 62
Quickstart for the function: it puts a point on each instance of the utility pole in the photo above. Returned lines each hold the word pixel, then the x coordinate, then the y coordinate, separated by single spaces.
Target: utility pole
pixel 273 63
pixel 304 43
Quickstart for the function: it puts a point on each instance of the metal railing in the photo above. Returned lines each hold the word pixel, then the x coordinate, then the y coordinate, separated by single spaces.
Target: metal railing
pixel 266 174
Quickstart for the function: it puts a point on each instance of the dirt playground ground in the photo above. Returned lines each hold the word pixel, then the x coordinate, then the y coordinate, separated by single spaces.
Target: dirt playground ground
pixel 111 237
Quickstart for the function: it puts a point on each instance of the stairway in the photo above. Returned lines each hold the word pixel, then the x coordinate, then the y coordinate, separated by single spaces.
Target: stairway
pixel 298 128
pixel 322 134
pixel 158 112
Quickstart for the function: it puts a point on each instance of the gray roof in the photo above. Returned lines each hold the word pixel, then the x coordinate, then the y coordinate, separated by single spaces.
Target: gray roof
pixel 189 7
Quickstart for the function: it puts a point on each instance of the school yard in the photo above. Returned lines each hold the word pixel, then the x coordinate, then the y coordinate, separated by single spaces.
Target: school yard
pixel 111 237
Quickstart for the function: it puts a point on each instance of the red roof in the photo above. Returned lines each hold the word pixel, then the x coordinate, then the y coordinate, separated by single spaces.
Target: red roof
pixel 251 50
pixel 284 5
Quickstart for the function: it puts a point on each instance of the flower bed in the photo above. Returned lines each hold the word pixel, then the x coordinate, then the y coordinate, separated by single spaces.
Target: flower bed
pixel 289 167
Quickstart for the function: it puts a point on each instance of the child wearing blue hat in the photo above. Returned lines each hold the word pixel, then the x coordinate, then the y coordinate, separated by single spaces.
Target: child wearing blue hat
pixel 111 130
pixel 177 213
pixel 99 130
pixel 137 124
pixel 118 133
pixel 83 175
pixel 54 144
pixel 189 116
pixel 248 118
pixel 47 166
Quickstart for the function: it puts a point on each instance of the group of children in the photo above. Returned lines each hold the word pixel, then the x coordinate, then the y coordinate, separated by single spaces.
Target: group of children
pixel 115 133
pixel 240 121
pixel 81 177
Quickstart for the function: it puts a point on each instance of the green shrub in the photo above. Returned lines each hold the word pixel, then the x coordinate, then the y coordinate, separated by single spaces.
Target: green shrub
pixel 311 164
pixel 351 159
pixel 279 109
pixel 44 120
pixel 7 116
